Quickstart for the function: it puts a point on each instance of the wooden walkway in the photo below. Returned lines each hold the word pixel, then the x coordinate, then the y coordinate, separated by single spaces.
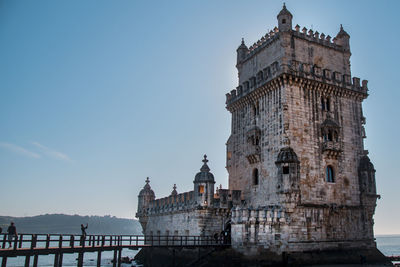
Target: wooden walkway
pixel 33 245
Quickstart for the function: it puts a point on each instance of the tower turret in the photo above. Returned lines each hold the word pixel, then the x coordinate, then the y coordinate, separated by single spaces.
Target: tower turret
pixel 204 185
pixel 241 52
pixel 146 195
pixel 343 39
pixel 284 20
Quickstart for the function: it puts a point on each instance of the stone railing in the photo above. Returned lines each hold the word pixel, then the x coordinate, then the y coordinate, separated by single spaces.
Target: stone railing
pixel 331 145
pixel 266 214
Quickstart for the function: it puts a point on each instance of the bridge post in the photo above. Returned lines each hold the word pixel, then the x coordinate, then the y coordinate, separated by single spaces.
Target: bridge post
pixel 119 256
pixel 72 241
pixel 47 241
pixel 35 260
pixel 80 259
pixel 115 258
pixel 20 241
pixel 99 258
pixel 16 242
pixel 60 260
pixel 4 262
pixel 56 260
pixel 27 259
pixel 33 242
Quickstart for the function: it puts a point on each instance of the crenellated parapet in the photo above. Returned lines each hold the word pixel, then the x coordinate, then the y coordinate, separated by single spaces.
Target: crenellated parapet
pixel 271 76
pixel 336 43
pixel 172 203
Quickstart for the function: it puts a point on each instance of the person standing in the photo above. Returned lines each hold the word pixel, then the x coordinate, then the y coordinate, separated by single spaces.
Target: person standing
pixel 12 232
pixel 83 229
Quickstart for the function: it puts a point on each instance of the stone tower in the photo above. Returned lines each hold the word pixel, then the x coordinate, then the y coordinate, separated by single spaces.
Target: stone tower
pixel 296 147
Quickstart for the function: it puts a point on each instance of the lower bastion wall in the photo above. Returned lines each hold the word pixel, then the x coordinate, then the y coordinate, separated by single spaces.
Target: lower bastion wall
pixel 300 229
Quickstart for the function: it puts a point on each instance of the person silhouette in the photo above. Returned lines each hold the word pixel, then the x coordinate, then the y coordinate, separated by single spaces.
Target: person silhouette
pixel 12 232
pixel 83 229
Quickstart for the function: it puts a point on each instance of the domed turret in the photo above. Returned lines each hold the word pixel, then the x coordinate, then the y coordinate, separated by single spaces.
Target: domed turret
pixel 204 185
pixel 284 20
pixel 343 38
pixel 146 195
pixel 204 176
pixel 241 52
pixel 287 155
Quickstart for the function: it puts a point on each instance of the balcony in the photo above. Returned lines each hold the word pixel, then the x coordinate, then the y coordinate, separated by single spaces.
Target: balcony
pixel 331 148
pixel 253 154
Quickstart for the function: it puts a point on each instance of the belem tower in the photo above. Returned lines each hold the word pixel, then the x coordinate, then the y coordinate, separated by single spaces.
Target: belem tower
pixel 299 176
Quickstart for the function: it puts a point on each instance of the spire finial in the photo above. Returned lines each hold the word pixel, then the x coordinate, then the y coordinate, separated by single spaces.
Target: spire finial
pixel 205 160
pixel 205 167
pixel 147 180
pixel 174 187
pixel 284 5
pixel 242 40
pixel 341 27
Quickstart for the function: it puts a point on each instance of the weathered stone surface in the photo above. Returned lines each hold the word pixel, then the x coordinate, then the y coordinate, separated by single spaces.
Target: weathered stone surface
pixel 299 177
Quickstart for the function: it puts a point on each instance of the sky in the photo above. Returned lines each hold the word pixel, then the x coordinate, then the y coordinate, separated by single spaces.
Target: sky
pixel 97 95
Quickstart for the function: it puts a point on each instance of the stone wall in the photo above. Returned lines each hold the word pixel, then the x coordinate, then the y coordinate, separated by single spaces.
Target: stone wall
pixel 194 222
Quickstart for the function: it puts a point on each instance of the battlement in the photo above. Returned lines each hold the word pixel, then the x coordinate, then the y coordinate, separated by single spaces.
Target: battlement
pixel 224 198
pixel 298 69
pixel 306 34
pixel 171 203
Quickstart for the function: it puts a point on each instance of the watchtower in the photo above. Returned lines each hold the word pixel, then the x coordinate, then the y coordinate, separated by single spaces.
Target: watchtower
pixel 296 147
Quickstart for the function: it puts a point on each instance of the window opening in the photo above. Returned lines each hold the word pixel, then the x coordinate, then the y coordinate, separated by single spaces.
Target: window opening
pixel 201 189
pixel 330 175
pixel 255 176
pixel 285 170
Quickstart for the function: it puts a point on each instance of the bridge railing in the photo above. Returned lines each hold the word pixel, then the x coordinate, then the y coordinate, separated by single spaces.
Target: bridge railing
pixel 46 241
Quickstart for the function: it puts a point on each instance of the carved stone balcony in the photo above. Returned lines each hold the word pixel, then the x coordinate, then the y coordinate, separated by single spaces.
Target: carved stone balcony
pixel 253 154
pixel 331 148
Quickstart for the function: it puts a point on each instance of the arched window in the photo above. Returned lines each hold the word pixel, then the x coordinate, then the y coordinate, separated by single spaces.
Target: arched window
pixel 328 104
pixel 330 174
pixel 255 176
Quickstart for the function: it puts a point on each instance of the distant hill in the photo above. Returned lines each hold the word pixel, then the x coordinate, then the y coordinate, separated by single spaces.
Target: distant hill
pixel 70 224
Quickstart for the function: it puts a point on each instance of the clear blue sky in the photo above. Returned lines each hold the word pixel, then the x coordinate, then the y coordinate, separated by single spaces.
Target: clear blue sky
pixel 96 95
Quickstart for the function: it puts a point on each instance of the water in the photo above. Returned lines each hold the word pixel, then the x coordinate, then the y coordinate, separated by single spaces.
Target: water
pixel 389 245
pixel 89 259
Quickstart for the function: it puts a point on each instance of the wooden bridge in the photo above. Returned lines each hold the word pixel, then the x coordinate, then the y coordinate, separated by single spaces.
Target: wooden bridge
pixel 33 245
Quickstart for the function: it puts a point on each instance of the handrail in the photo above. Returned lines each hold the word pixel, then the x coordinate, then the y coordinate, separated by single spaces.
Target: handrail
pixel 47 241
